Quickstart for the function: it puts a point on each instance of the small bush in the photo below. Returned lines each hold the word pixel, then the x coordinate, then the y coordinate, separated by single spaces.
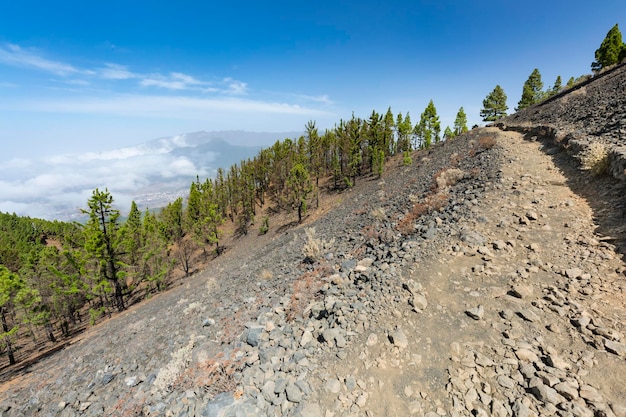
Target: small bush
pixel 379 214
pixel 194 308
pixel 448 177
pixel 406 158
pixel 306 289
pixel 265 225
pixel 313 247
pixel 168 375
pixel 431 203
pixel 487 142
pixel 95 314
pixel 595 158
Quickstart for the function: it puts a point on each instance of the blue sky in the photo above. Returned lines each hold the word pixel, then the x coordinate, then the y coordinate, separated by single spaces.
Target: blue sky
pixel 87 76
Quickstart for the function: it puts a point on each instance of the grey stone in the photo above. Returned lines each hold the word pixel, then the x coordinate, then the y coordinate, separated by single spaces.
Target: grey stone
pixel 557 362
pixel 268 391
pixel 398 338
pixel 294 394
pixel 280 385
pixel 333 386
pixel 418 301
pixel 106 378
pixel 526 355
pixel 528 315
pixel 309 410
pixel 615 347
pixel 531 215
pixel 430 233
pixel 506 382
pixel 507 314
pixel 254 336
pixel 499 245
pixel 573 273
pixel 546 394
pixel 589 393
pixel 215 407
pixel 520 409
pixel 476 313
pixel 566 390
pixel 521 291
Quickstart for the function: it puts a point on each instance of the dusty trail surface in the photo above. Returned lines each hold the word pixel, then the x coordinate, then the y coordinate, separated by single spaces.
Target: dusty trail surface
pixel 506 297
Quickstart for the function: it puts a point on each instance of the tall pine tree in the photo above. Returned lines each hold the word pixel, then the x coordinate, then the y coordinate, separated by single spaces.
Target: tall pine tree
pixel 102 241
pixel 494 105
pixel 532 91
pixel 429 127
pixel 611 51
pixel 460 123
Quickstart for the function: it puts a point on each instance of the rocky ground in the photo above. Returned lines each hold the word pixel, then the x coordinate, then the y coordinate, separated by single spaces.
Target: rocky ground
pixel 487 278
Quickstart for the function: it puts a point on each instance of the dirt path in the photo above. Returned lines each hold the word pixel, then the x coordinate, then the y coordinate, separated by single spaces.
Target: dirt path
pixel 547 298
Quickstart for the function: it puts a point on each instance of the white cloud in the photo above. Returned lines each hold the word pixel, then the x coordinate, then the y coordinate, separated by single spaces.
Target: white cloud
pixel 173 81
pixel 176 107
pixel 77 82
pixel 235 87
pixel 319 99
pixel 46 187
pixel 116 72
pixel 14 55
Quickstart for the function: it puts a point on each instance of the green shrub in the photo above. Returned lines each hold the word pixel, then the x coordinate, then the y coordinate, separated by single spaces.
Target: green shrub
pixel 265 225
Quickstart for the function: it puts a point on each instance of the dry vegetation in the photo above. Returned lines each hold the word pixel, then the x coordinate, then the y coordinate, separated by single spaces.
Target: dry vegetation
pixel 306 289
pixel 595 158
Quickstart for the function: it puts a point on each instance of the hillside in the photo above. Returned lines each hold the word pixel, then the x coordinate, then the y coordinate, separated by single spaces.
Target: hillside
pixel 486 278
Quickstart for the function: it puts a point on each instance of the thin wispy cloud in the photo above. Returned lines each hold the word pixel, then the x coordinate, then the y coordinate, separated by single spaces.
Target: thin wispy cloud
pixel 235 87
pixel 116 72
pixel 180 107
pixel 16 56
pixel 318 99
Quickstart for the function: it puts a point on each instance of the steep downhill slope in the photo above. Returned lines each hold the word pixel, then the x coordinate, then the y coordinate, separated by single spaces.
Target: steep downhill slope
pixel 487 278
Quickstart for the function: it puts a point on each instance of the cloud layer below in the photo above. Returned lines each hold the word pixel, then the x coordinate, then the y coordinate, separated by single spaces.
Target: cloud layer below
pixel 153 173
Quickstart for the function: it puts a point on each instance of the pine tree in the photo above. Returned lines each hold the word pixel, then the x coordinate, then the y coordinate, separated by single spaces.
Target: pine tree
pixel 130 239
pixel 429 127
pixel 102 241
pixel 494 105
pixel 375 142
pixel 300 186
pixel 389 143
pixel 211 217
pixel 532 91
pixel 448 133
pixel 558 85
pixel 611 51
pixel 460 123
pixel 155 265
pixel 9 286
pixel 405 129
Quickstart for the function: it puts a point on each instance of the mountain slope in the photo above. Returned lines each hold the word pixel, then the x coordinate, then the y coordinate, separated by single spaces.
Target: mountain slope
pixel 487 278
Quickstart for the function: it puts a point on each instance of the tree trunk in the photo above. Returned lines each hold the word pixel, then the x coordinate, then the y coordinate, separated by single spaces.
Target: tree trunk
pixel 300 212
pixel 7 339
pixel 119 296
pixel 50 333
